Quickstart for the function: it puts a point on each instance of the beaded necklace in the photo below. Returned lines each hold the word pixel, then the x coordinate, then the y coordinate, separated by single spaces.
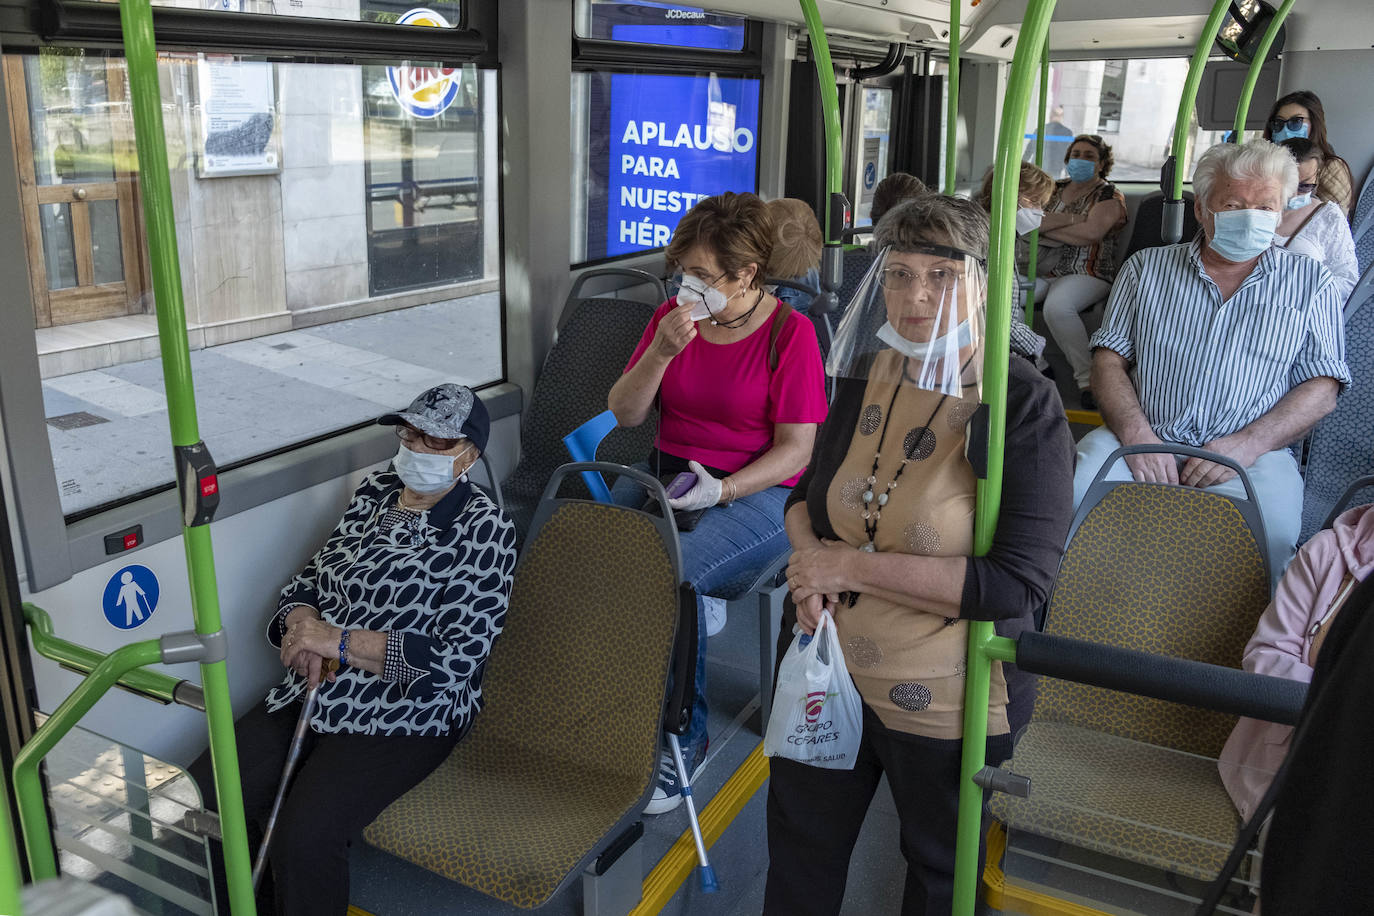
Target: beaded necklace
pixel 871 514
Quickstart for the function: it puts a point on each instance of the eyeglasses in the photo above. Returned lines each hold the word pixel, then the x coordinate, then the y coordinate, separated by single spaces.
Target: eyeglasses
pixel 410 436
pixel 693 282
pixel 935 279
pixel 1294 123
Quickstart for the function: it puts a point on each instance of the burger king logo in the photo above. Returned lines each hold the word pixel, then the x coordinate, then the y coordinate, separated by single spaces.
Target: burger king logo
pixel 424 92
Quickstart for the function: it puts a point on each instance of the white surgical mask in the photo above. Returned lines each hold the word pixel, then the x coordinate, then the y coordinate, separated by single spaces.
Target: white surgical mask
pixel 424 472
pixel 1028 219
pixel 705 299
pixel 962 335
pixel 1243 234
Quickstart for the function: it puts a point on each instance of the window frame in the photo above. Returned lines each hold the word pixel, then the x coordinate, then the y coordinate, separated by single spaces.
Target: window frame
pixel 55 546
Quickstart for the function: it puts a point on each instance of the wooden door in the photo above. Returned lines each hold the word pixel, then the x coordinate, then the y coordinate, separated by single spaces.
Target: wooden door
pixel 73 140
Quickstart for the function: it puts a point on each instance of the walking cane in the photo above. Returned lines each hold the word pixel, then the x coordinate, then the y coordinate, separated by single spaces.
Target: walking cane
pixel 292 758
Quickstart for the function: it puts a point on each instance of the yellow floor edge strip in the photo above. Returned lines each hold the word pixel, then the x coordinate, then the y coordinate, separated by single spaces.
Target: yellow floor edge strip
pixel 676 865
pixel 1021 900
pixel 357 911
pixel 1087 417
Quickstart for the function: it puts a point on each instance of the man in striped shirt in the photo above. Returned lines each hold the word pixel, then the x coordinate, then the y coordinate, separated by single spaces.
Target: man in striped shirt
pixel 1225 343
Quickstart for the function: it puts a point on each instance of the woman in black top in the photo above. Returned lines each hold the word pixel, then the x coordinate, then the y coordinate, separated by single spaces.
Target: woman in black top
pixel 408 594
pixel 881 528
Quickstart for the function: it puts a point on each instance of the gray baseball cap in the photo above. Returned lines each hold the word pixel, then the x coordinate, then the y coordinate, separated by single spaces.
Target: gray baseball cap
pixel 447 411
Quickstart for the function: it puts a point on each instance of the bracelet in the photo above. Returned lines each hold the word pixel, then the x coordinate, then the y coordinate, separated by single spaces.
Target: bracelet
pixel 343 648
pixel 734 490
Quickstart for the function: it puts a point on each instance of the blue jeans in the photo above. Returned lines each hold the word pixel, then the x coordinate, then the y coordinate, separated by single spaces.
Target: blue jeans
pixel 728 544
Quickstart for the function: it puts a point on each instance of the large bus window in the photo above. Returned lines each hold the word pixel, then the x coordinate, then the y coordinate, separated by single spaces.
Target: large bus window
pixel 1132 104
pixel 444 14
pixel 338 236
pixel 647 146
pixel 669 24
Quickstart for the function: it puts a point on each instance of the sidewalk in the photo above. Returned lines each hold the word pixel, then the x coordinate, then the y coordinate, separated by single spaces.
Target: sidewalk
pixel 108 427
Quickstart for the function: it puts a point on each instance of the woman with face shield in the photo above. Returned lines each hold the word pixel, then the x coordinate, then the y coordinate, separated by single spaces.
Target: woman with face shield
pixel 881 526
pixel 406 595
pixel 740 388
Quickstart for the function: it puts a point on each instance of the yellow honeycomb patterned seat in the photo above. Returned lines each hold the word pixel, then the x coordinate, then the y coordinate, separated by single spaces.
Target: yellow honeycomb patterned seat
pixel 1169 570
pixel 562 758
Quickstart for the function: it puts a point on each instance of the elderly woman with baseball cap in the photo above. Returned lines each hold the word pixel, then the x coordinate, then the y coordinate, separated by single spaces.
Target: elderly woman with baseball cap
pixel 407 594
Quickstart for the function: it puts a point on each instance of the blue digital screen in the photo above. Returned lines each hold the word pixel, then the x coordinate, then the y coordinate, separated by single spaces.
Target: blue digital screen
pixel 723 38
pixel 673 140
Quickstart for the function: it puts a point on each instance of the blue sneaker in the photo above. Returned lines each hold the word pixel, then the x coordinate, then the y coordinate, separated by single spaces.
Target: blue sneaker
pixel 668 792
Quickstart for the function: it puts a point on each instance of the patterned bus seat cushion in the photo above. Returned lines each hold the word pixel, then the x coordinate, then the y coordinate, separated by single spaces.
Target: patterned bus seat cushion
pixel 1162 569
pixel 1341 443
pixel 568 742
pixel 1135 801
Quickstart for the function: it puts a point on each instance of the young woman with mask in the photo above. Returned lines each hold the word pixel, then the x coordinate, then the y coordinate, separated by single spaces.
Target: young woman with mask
pixel 1082 220
pixel 407 594
pixel 1300 114
pixel 740 390
pixel 1315 227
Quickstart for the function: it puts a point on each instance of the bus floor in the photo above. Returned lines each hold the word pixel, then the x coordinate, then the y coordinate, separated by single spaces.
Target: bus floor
pixel 383 885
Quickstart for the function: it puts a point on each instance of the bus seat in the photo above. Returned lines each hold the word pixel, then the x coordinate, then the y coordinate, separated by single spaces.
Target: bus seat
pixel 1166 569
pixel 563 758
pixel 596 337
pixel 1340 445
pixel 1362 224
pixel 856 264
pixel 582 444
pixel 1149 223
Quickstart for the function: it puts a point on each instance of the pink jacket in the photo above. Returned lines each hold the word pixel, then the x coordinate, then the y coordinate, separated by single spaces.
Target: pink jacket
pixel 1282 643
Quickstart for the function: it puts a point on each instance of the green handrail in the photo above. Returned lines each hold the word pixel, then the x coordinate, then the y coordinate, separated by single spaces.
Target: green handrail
pixel 952 105
pixel 1188 100
pixel 1033 240
pixel 11 876
pixel 1256 65
pixel 140 50
pixel 830 113
pixel 151 684
pixel 1001 274
pixel 28 785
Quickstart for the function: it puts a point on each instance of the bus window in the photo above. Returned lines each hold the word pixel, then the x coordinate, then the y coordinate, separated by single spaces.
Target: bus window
pixel 1132 104
pixel 667 24
pixel 338 234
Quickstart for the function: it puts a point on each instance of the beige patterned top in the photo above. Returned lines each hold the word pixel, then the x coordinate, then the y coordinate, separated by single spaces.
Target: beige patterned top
pixel 909 663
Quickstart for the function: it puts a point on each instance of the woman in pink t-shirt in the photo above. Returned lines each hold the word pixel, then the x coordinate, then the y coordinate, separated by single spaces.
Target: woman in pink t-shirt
pixel 740 390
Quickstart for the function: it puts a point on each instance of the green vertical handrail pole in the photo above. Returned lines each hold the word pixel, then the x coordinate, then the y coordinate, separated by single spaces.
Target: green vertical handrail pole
pixel 1033 240
pixel 1186 103
pixel 141 54
pixel 1253 74
pixel 1001 274
pixel 830 112
pixel 952 106
pixel 28 785
pixel 11 878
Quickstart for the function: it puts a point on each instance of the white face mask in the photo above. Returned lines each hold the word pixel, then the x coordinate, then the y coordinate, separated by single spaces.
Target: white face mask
pixel 1028 219
pixel 959 338
pixel 706 300
pixel 424 472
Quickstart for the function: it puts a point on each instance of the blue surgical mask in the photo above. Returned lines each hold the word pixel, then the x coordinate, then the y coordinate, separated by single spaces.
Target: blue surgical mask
pixel 424 472
pixel 1243 234
pixel 1287 133
pixel 1298 201
pixel 1081 169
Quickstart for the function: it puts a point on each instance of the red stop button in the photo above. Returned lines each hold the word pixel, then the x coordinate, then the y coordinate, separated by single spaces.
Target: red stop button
pixel 209 486
pixel 131 540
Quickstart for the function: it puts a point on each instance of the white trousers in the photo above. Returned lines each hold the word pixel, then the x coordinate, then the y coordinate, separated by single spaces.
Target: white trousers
pixel 1274 475
pixel 1064 298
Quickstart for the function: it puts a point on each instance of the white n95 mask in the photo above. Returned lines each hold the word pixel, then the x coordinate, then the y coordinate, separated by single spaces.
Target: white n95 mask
pixel 1028 219
pixel 706 301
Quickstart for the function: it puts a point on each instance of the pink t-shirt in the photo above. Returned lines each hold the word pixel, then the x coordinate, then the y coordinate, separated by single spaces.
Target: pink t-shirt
pixel 718 402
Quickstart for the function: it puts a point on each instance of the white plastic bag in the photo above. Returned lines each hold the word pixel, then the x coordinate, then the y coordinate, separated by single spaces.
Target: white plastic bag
pixel 817 717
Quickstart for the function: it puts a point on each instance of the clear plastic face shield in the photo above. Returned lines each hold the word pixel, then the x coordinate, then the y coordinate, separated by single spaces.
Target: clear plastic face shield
pixel 917 319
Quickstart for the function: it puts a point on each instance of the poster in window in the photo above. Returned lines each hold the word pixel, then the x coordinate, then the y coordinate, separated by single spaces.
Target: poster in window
pixel 238 118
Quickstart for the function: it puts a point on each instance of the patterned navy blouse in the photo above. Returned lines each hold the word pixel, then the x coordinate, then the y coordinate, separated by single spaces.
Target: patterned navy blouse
pixel 436 582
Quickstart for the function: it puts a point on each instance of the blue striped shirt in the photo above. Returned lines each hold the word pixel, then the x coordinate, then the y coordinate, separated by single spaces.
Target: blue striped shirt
pixel 1204 368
